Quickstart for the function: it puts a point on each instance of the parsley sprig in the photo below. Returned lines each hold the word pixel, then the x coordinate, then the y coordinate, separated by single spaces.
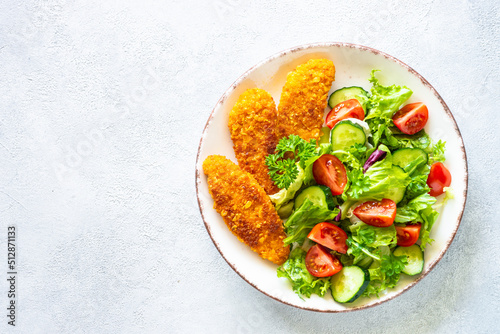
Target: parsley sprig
pixel 359 183
pixel 282 164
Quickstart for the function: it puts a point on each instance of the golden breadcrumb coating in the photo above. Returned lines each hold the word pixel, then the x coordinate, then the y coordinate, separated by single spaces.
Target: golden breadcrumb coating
pixel 303 99
pixel 252 123
pixel 245 208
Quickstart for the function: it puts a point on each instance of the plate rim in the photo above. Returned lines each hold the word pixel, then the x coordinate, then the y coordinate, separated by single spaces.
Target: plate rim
pixel 363 48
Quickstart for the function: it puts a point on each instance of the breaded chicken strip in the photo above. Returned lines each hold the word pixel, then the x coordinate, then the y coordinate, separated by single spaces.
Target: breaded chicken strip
pixel 304 98
pixel 245 208
pixel 252 123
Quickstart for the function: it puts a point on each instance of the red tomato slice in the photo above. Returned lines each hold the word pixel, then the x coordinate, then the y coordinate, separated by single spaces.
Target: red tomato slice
pixel 439 177
pixel 329 235
pixel 407 235
pixel 320 263
pixel 375 213
pixel 329 171
pixel 411 118
pixel 347 109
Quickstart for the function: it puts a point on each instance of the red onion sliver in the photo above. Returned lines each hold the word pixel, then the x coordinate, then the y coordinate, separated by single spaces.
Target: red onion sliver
pixel 377 155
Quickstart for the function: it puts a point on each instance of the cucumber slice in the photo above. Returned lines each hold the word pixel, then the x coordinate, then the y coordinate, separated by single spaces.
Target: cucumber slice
pixel 347 93
pixel 286 210
pixel 320 195
pixel 345 134
pixel 349 283
pixel 403 157
pixel 325 135
pixel 396 193
pixel 415 258
pixel 365 262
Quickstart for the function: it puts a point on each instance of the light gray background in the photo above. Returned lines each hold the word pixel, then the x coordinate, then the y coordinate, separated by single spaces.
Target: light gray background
pixel 102 104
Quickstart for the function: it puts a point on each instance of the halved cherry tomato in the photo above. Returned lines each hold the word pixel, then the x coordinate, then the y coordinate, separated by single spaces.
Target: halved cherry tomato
pixel 347 109
pixel 375 213
pixel 329 235
pixel 439 177
pixel 320 263
pixel 329 171
pixel 407 235
pixel 411 118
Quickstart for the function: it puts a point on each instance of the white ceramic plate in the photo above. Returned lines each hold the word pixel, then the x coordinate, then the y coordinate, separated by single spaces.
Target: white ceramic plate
pixel 353 65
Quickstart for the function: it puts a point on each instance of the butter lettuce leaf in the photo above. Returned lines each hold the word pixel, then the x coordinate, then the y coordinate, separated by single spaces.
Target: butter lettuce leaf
pixel 383 178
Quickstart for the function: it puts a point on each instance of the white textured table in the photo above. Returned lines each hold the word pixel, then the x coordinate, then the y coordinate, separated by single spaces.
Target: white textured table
pixel 102 104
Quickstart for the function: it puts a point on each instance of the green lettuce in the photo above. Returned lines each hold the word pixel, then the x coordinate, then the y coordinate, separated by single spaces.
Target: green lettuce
pixel 395 139
pixel 303 219
pixel 417 186
pixel 303 283
pixel 438 152
pixel 384 102
pixel 411 211
pixel 419 210
pixel 385 273
pixel 365 240
pixel 383 179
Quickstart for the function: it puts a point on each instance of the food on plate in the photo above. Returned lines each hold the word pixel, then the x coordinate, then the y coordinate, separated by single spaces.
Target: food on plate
pixel 363 202
pixel 329 235
pixel 414 259
pixel 245 208
pixel 439 178
pixel 303 99
pixel 349 284
pixel 349 93
pixel 329 171
pixel 411 118
pixel 346 134
pixel 290 154
pixel 347 109
pixel 252 123
pixel 377 213
pixel 408 234
pixel 358 204
pixel 320 263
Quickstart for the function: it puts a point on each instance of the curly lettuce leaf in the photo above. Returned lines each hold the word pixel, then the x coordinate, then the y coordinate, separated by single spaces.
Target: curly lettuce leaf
pixel 303 283
pixel 411 211
pixel 419 210
pixel 438 152
pixel 384 102
pixel 372 236
pixel 385 273
pixel 365 240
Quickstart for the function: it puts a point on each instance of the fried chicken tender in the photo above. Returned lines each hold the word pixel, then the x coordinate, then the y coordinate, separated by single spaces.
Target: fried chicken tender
pixel 252 123
pixel 245 208
pixel 303 99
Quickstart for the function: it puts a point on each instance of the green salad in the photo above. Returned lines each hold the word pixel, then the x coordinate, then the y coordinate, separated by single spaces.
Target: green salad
pixel 358 206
